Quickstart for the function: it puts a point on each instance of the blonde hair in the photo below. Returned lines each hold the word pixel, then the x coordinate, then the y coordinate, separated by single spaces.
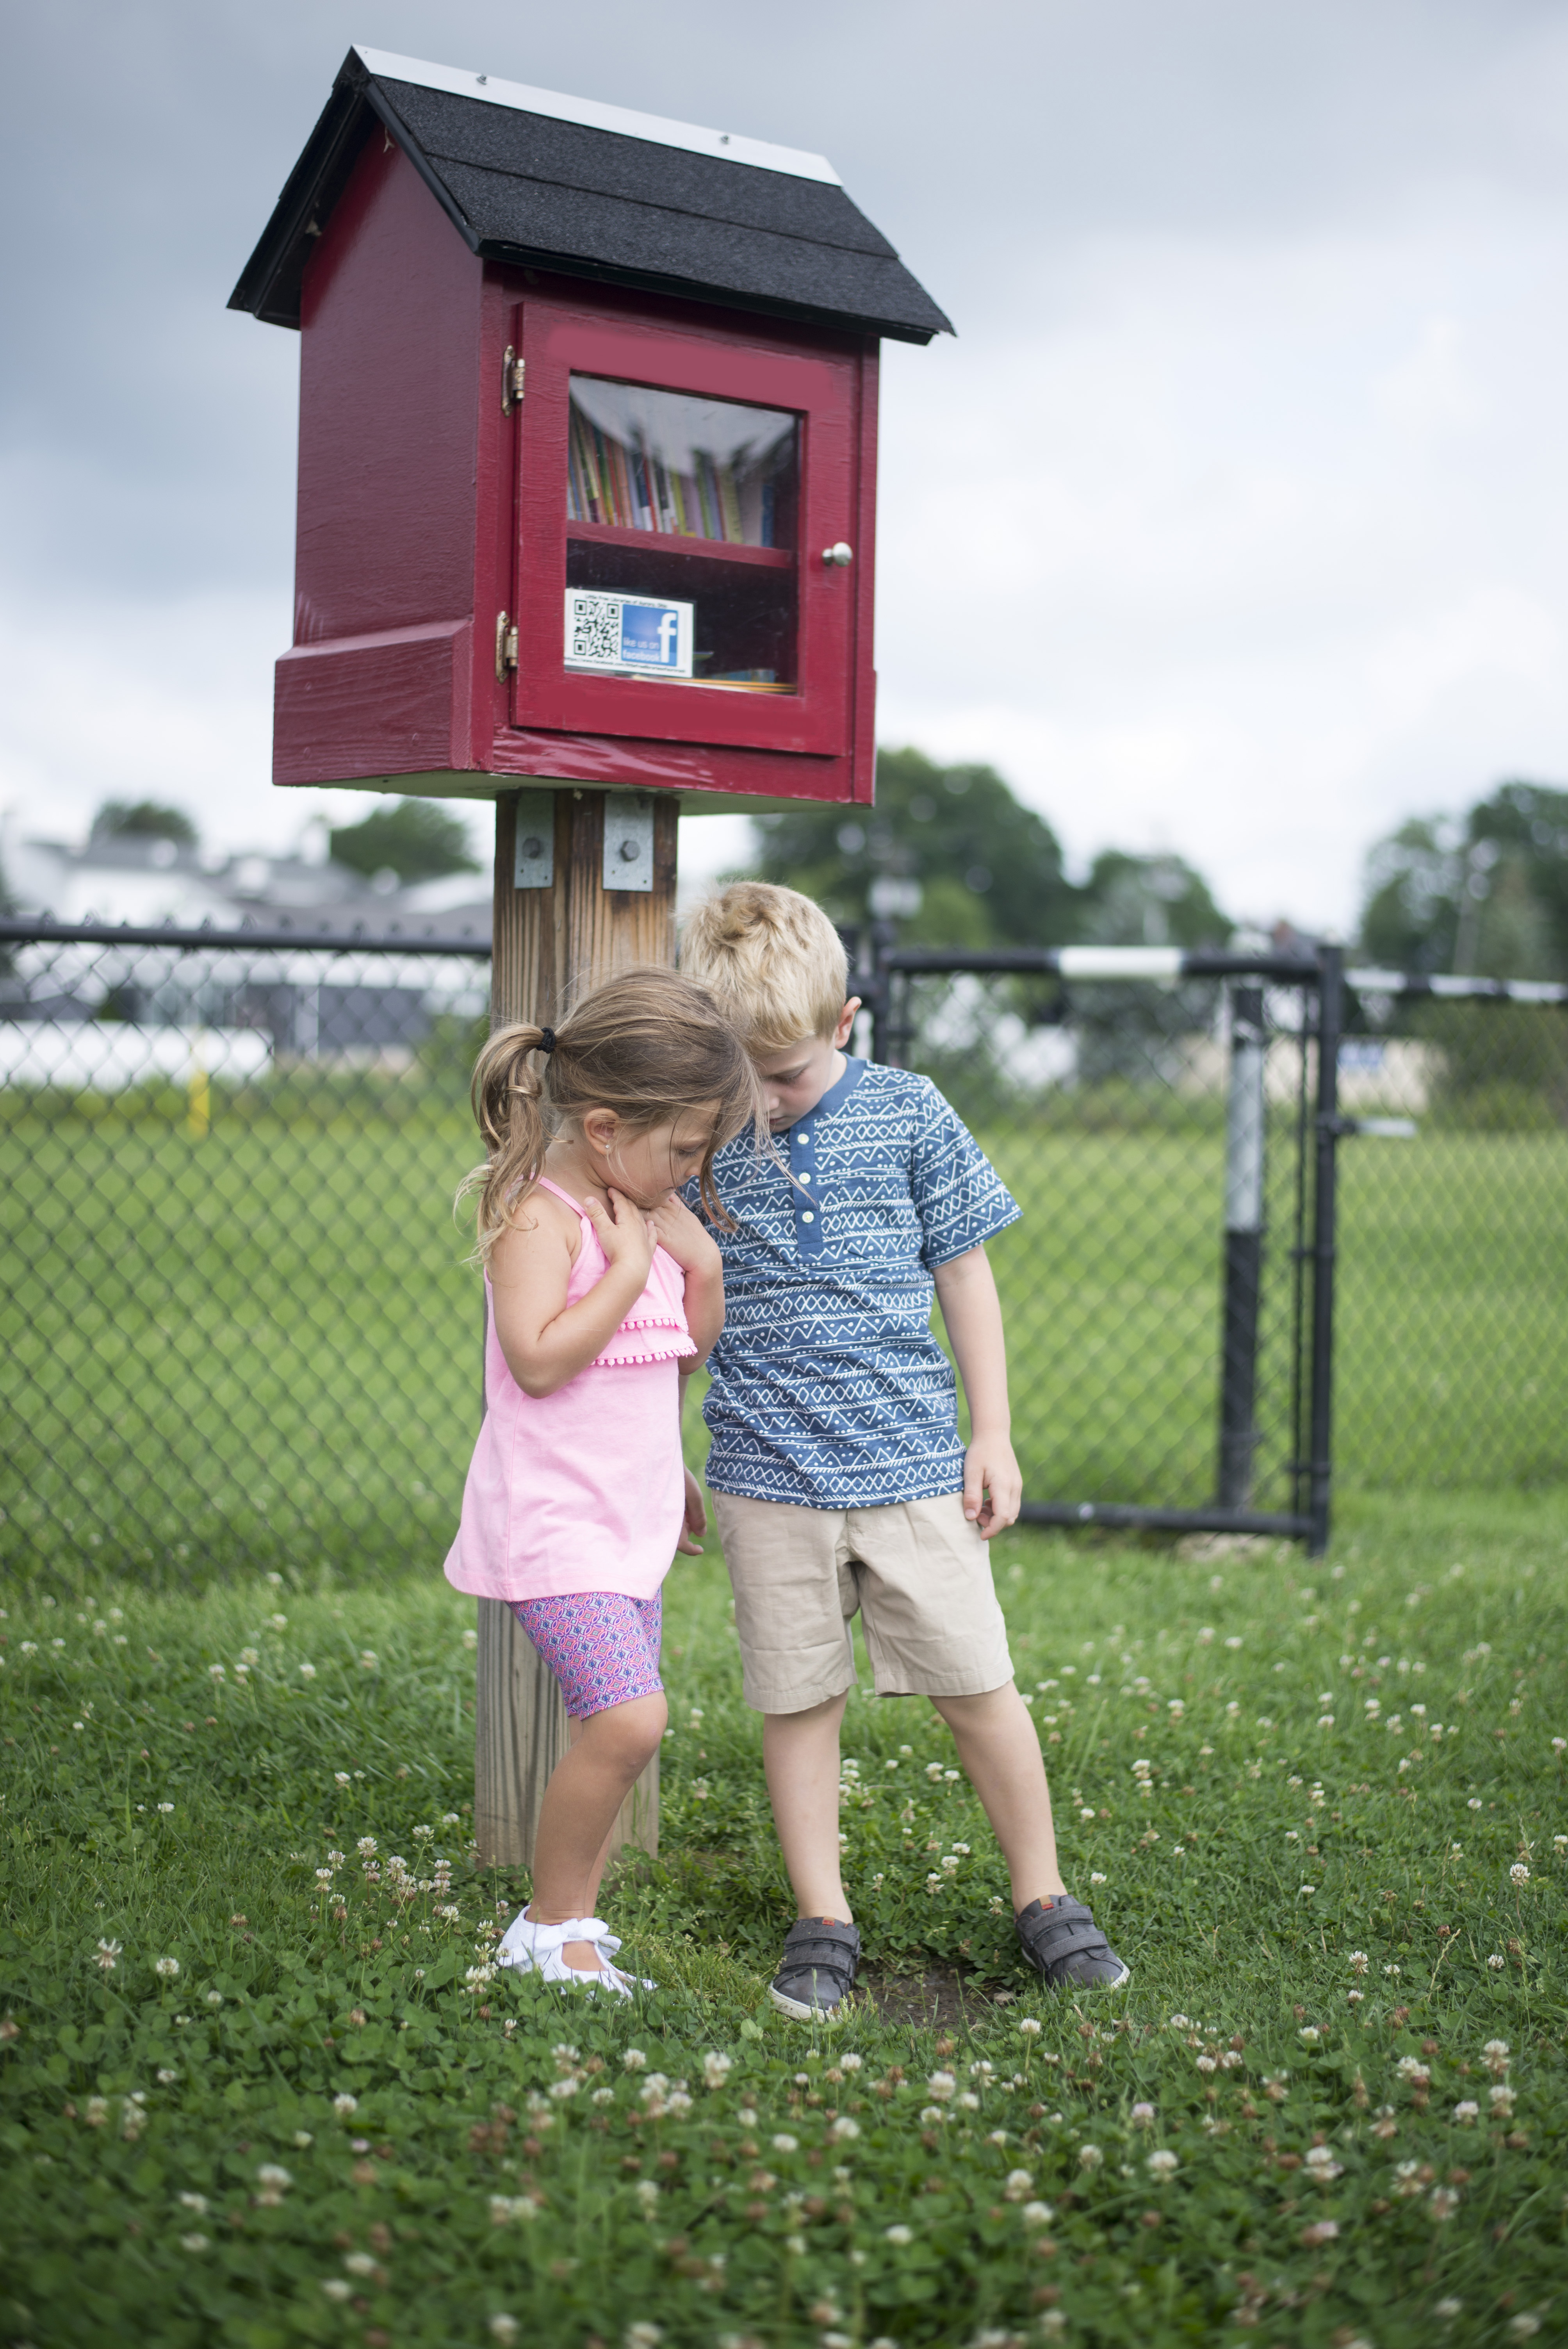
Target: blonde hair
pixel 650 1044
pixel 774 961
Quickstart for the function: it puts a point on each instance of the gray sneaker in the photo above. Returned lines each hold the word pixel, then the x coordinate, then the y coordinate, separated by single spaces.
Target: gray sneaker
pixel 1062 1941
pixel 816 1971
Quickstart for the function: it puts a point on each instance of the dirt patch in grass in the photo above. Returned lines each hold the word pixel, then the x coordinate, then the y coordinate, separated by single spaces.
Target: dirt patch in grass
pixel 939 1998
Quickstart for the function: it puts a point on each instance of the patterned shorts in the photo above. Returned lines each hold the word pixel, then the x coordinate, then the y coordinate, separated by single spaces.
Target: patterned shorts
pixel 602 1647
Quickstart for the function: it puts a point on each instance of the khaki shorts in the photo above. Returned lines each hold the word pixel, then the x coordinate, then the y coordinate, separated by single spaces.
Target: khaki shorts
pixel 917 1572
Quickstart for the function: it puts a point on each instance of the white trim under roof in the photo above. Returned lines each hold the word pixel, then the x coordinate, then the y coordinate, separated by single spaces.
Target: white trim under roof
pixel 727 146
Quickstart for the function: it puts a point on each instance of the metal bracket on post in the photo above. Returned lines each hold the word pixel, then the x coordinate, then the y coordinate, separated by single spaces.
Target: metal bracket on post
pixel 1244 1134
pixel 628 840
pixel 533 854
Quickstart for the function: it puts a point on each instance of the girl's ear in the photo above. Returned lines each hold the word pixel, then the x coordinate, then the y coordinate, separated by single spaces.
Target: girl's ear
pixel 599 1128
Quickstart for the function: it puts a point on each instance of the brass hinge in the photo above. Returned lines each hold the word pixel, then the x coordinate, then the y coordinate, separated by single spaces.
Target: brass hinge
pixel 505 646
pixel 511 378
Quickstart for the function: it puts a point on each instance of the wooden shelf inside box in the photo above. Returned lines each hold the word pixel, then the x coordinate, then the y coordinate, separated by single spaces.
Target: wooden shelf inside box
pixel 708 550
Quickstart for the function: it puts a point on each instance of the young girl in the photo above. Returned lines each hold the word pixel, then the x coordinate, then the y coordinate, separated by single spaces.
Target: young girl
pixel 602 1288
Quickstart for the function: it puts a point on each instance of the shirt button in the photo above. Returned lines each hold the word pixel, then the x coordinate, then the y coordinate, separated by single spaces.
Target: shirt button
pixel 807 1216
pixel 802 1178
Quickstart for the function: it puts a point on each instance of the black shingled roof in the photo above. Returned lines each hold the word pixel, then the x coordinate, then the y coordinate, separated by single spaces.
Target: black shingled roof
pixel 529 188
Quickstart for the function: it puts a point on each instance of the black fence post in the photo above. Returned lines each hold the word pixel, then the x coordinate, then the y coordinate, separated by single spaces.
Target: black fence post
pixel 1325 1208
pixel 1244 1125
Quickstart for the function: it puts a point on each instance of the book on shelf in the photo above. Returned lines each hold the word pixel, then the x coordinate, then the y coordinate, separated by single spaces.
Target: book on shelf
pixel 630 487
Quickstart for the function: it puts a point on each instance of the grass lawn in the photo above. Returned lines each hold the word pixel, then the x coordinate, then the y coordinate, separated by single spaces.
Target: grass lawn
pixel 1330 2107
pixel 229 1352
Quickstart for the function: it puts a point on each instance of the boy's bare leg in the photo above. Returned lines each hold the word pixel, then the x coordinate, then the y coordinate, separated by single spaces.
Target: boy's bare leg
pixel 800 1755
pixel 1000 1751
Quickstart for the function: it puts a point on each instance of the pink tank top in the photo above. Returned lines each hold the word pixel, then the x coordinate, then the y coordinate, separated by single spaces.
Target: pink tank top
pixel 583 1489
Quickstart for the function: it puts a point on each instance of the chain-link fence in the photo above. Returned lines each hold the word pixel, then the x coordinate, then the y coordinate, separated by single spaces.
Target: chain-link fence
pixel 1215 1246
pixel 236 1322
pixel 238 1330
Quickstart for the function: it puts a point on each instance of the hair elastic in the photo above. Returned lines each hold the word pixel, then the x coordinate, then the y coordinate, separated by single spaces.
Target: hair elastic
pixel 547 1040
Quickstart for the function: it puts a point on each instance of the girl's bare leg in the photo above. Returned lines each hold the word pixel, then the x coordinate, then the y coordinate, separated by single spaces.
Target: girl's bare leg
pixel 608 1753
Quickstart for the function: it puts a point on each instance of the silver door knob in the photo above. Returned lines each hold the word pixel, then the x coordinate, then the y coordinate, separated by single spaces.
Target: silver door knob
pixel 841 556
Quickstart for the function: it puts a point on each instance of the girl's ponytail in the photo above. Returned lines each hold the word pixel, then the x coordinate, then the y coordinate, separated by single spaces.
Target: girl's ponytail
pixel 508 1095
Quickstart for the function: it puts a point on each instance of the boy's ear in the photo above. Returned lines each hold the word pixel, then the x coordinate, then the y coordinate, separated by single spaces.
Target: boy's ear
pixel 845 1027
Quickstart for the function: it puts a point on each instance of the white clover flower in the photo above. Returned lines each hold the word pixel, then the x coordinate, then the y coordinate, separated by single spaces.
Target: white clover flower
pixel 900 2235
pixel 969 2103
pixel 215 1672
pixel 1496 2052
pixel 930 2115
pixel 1321 2165
pixel 1207 2063
pixel 195 2243
pixel 1030 2026
pixel 365 1846
pixel 643 2336
pixel 1519 1873
pixel 307 1671
pixel 1357 1962
pixel 633 2060
pixel 166 2075
pixel 1309 2034
pixel 368 1659
pixel 850 2062
pixel 1442 2202
pixel 942 2085
pixel 336 2287
pixel 1496 1962
pixel 1501 2099
pixel 1090 2157
pixel 1467 2112
pixel 1019 2184
pixel 844 2129
pixel 784 2143
pixel 340 1778
pixel 1038 2214
pixel 717 2068
pixel 1142 2116
pixel 344 2105
pixel 197 2202
pixel 359 2264
pixel 107 1953
pixel 1161 2165
pixel 167 1967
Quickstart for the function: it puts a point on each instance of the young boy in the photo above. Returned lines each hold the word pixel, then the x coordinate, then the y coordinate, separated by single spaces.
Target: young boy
pixel 838 1478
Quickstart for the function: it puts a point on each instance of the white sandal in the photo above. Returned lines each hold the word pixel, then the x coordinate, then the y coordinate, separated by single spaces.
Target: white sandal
pixel 540 1949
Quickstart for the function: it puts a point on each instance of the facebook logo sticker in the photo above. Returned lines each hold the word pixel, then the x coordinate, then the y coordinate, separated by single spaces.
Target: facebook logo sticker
pixel 651 635
pixel 634 635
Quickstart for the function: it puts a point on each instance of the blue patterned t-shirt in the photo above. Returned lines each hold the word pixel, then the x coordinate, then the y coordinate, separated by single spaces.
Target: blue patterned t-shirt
pixel 827 1388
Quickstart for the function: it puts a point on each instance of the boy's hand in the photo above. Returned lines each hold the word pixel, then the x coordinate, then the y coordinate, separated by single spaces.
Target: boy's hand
pixel 696 1523
pixel 682 1236
pixel 992 1483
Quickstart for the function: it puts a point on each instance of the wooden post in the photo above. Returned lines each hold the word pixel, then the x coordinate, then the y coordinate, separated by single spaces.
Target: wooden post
pixel 550 943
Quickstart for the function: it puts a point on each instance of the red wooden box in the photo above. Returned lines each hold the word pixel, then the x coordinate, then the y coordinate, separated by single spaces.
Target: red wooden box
pixel 587 459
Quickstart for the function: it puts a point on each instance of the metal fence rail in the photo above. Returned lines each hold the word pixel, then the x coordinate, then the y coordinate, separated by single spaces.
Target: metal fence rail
pixel 238 1328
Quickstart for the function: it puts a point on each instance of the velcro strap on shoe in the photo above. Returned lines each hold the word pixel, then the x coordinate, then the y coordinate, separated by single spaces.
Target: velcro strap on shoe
pixel 820 1948
pixel 1062 1932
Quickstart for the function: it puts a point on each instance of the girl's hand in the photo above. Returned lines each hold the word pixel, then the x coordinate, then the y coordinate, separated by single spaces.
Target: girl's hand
pixel 625 1235
pixel 695 1522
pixel 681 1235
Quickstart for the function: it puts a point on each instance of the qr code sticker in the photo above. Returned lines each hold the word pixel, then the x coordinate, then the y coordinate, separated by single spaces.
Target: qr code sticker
pixel 595 628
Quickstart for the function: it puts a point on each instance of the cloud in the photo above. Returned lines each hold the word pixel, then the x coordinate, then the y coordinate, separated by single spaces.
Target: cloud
pixel 1228 522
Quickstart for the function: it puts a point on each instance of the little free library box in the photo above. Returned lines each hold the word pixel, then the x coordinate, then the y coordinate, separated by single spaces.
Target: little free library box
pixel 587 462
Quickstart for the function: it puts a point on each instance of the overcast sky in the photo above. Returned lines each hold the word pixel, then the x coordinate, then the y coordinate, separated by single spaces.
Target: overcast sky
pixel 1234 521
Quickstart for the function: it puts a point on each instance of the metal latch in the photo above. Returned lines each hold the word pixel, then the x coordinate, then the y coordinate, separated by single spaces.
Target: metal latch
pixel 505 646
pixel 511 378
